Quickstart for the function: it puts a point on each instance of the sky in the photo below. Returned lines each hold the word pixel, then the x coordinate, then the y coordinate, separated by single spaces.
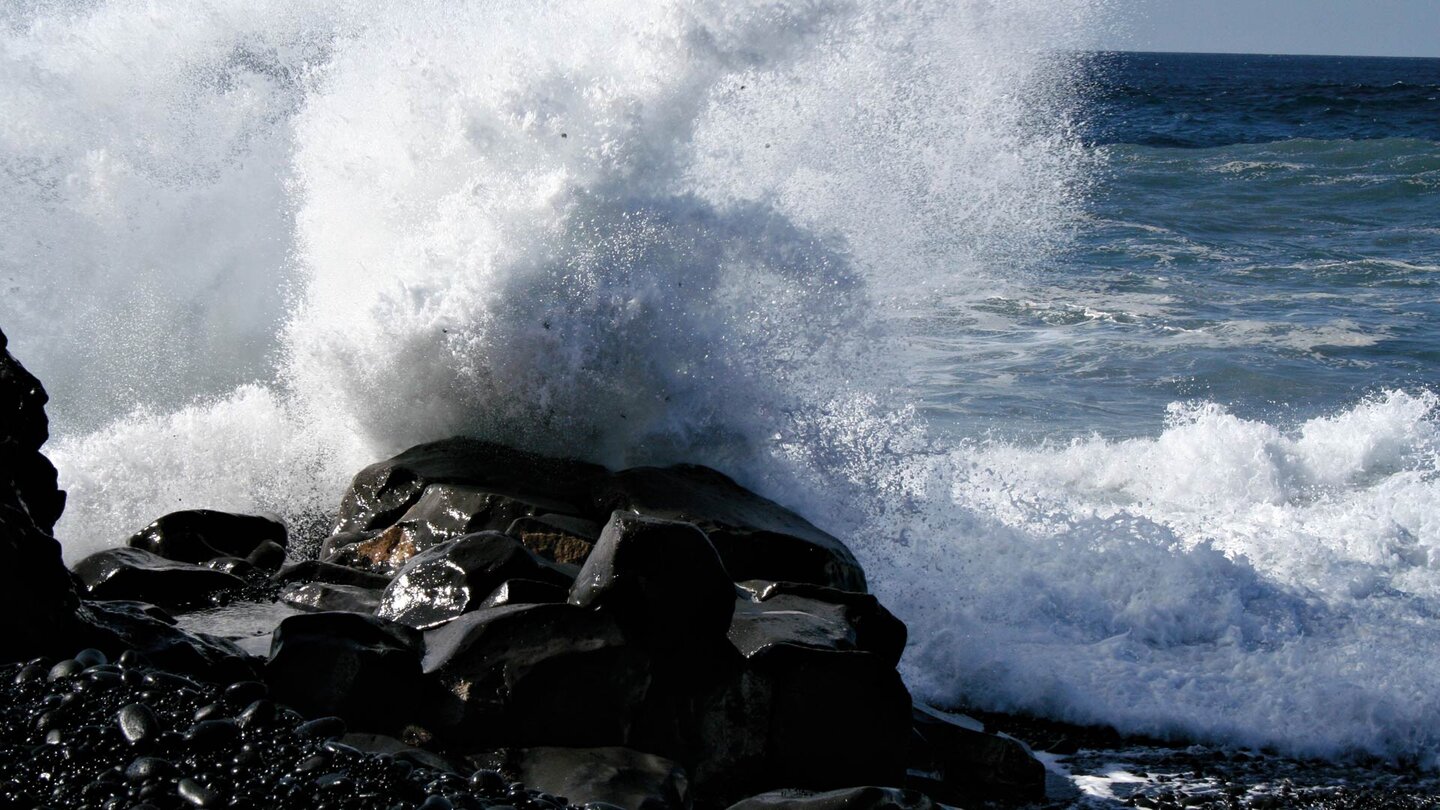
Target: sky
pixel 1349 27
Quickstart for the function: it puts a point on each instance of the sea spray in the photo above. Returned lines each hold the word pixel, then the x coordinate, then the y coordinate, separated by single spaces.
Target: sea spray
pixel 638 233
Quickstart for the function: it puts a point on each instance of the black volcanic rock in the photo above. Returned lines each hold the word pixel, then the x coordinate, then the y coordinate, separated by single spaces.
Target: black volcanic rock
pixel 856 798
pixel 661 578
pixel 816 616
pixel 363 669
pixel 318 571
pixel 961 765
pixel 561 538
pixel 200 535
pixel 757 538
pixel 443 582
pixel 802 717
pixel 616 776
pixel 382 493
pixel 117 626
pixel 133 573
pixel 525 592
pixel 322 597
pixel 38 601
pixel 525 675
pixel 29 477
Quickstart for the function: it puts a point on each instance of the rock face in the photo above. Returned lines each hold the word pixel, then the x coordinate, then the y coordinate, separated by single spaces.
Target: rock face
pixel 814 616
pixel 382 493
pixel 38 602
pixel 756 538
pixel 660 577
pixel 525 675
pixel 361 668
pixel 961 765
pixel 860 798
pixel 200 535
pixel 441 583
pixel 133 573
pixel 615 776
pixel 325 596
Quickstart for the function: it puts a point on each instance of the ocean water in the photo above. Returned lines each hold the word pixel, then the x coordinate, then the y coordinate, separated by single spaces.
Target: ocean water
pixel 1116 370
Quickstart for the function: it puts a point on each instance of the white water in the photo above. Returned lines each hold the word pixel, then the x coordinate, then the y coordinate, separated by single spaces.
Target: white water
pixel 252 246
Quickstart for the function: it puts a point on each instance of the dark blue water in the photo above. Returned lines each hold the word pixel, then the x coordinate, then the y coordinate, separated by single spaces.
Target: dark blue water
pixel 1264 234
pixel 1206 100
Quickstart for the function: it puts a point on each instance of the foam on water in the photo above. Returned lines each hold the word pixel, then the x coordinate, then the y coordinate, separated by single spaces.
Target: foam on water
pixel 254 246
pixel 1235 578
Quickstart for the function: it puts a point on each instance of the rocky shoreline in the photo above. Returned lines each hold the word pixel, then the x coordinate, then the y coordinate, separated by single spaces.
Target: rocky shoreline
pixel 483 628
pixel 487 628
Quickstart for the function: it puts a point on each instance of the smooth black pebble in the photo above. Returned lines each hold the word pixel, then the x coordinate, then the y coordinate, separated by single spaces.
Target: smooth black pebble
pixel 138 722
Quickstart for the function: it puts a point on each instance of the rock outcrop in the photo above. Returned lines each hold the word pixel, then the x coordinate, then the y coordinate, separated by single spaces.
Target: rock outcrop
pixel 651 638
pixel 38 601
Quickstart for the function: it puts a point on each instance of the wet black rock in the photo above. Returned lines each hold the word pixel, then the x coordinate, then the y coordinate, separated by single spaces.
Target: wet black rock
pixel 380 494
pixel 526 675
pixel 856 798
pixel 562 538
pixel 318 571
pixel 147 632
pixel 801 717
pixel 446 511
pixel 38 601
pixel 814 616
pixel 402 751
pixel 235 567
pixel 959 764
pixel 138 723
pixel 757 538
pixel 323 596
pixel 525 592
pixel 361 668
pixel 661 578
pixel 615 776
pixel 198 535
pixel 137 574
pixel 454 577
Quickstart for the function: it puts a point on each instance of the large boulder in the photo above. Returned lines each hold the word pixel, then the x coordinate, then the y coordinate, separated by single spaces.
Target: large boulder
pixel 319 571
pixel 622 777
pixel 960 764
pixel 525 592
pixel 804 717
pixel 118 626
pixel 136 574
pixel 856 798
pixel 815 616
pixel 321 597
pixel 452 578
pixel 448 510
pixel 38 600
pixel 757 538
pixel 562 538
pixel 661 578
pixel 200 535
pixel 526 675
pixel 363 669
pixel 382 493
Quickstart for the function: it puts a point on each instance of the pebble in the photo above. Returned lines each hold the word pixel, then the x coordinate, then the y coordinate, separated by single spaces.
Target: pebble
pixel 65 669
pixel 137 722
pixel 197 794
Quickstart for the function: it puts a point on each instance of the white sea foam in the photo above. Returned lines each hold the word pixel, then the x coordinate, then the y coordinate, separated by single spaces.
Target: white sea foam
pixel 252 246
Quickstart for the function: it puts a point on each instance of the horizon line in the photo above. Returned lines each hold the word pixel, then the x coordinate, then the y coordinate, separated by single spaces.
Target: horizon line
pixel 1182 52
